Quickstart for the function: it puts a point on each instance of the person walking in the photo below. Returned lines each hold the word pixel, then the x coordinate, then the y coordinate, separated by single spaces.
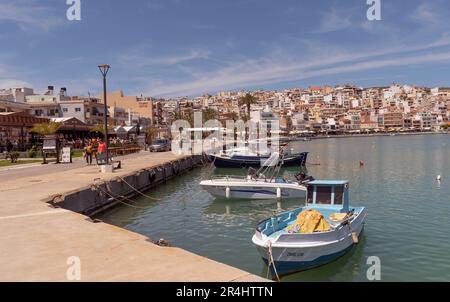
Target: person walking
pixel 101 149
pixel 88 152
pixel 94 144
pixel 9 146
pixel 101 146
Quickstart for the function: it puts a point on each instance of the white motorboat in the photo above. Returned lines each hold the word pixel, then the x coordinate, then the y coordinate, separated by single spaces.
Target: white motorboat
pixel 249 188
pixel 262 184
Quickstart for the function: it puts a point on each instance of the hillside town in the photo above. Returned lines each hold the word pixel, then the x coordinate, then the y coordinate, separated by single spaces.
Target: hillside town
pixel 343 109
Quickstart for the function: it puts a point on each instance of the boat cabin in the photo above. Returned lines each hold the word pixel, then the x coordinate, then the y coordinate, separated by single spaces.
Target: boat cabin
pixel 332 193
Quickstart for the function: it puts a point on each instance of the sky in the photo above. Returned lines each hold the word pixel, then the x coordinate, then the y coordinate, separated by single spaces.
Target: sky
pixel 167 48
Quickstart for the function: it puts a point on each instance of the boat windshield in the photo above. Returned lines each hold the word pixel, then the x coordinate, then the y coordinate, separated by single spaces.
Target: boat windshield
pixel 323 195
pixel 310 197
pixel 338 194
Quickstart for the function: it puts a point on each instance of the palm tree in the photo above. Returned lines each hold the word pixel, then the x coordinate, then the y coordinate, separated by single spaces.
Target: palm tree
pixel 234 116
pixel 209 114
pixel 248 100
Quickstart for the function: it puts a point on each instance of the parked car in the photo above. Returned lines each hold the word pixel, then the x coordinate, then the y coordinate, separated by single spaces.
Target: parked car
pixel 160 145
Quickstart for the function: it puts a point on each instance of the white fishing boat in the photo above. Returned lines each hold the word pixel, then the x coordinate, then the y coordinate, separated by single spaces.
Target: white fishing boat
pixel 261 184
pixel 322 231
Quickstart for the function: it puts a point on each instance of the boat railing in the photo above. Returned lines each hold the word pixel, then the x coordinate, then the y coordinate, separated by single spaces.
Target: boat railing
pixel 227 177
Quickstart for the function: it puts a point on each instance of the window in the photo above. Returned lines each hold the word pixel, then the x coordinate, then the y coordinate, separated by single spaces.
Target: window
pixel 65 110
pixel 310 194
pixel 338 194
pixel 323 195
pixel 77 109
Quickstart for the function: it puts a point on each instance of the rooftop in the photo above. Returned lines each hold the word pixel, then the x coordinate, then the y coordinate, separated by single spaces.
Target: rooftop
pixel 328 182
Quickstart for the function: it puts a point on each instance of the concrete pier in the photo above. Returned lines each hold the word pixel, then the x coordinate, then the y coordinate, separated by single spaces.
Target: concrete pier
pixel 39 239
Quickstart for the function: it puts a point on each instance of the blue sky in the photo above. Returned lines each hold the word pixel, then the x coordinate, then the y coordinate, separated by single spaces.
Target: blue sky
pixel 191 47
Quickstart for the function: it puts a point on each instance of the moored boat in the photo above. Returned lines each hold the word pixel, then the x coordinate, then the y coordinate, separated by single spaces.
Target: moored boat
pixel 245 158
pixel 249 188
pixel 262 184
pixel 313 235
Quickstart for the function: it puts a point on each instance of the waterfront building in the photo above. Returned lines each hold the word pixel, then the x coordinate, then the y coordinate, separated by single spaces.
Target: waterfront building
pixel 15 127
pixel 393 120
pixel 11 106
pixel 142 106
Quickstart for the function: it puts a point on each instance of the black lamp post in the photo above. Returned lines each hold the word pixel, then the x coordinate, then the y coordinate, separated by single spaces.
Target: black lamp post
pixel 104 70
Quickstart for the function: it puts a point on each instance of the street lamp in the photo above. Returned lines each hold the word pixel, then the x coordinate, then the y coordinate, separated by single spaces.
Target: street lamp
pixel 104 70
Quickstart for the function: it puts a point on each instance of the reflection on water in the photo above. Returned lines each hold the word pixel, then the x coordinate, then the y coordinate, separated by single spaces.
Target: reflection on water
pixel 406 226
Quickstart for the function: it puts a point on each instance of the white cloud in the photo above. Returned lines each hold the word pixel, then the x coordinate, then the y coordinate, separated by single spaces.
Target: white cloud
pixel 9 83
pixel 28 15
pixel 138 59
pixel 270 69
pixel 425 13
pixel 334 20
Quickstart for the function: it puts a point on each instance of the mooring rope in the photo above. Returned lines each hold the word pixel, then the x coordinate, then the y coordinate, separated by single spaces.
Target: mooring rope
pixel 271 261
pixel 136 190
pixel 117 199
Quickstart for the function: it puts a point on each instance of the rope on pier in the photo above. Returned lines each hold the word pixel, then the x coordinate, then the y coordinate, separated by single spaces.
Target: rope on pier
pixel 137 191
pixel 97 187
pixel 271 261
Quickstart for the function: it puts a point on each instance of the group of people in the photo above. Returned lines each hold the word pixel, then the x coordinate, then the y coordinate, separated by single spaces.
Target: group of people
pixel 93 148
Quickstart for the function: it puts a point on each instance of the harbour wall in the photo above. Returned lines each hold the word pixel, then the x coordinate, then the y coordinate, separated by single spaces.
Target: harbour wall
pixel 104 194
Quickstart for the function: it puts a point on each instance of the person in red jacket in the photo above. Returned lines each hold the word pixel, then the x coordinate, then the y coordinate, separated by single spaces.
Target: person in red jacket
pixel 101 146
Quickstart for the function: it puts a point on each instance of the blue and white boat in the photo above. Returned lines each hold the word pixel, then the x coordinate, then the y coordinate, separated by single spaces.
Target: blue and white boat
pixel 286 249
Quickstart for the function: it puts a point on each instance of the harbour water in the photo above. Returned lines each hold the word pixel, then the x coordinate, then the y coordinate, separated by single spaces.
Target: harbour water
pixel 406 226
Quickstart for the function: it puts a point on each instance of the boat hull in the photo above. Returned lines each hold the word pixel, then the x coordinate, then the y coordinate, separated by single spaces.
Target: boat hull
pixel 254 190
pixel 249 161
pixel 289 258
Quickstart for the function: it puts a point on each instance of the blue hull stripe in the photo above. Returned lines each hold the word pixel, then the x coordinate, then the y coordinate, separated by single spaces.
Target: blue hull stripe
pixel 289 267
pixel 266 192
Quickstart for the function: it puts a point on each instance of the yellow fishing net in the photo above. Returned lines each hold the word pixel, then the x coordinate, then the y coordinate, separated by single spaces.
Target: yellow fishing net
pixel 308 222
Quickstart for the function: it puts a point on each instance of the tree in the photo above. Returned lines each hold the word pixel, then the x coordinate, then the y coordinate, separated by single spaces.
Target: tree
pixel 46 128
pixel 209 114
pixel 234 116
pixel 151 134
pixel 248 100
pixel 101 129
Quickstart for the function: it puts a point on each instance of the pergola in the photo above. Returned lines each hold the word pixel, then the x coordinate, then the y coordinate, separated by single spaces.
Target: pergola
pixel 14 126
